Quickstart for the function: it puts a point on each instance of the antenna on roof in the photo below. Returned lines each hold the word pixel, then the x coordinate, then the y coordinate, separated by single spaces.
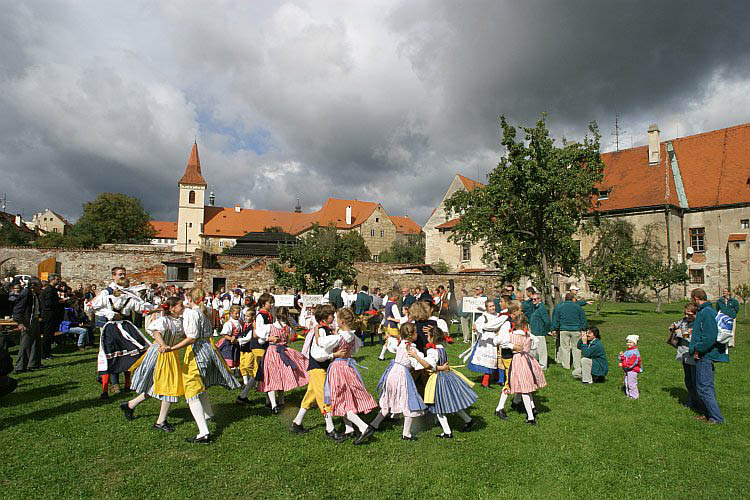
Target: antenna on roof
pixel 5 201
pixel 617 132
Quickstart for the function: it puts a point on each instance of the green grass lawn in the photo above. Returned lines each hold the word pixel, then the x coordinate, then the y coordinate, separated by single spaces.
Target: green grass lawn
pixel 58 438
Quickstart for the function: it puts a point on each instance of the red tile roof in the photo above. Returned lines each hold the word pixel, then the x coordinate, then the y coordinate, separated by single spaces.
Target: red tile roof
pixel 468 183
pixel 193 170
pixel 449 224
pixel 404 225
pixel 164 229
pixel 714 168
pixel 737 237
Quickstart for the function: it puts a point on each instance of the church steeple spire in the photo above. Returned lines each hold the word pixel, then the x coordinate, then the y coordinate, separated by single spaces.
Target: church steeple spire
pixel 193 170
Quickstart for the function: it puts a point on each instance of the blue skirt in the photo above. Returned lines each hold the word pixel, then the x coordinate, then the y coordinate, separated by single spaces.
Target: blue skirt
pixel 452 394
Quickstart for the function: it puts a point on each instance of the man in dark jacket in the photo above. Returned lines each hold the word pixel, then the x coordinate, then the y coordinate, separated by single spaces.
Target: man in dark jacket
pixel 706 351
pixel 50 303
pixel 334 295
pixel 569 320
pixel 26 313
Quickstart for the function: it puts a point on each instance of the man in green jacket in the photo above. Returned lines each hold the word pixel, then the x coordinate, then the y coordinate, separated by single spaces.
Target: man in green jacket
pixel 527 306
pixel 539 323
pixel 731 307
pixel 569 320
pixel 334 295
pixel 706 351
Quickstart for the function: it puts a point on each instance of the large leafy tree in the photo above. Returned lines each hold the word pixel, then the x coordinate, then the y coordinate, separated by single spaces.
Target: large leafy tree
pixel 10 235
pixel 356 245
pixel 405 251
pixel 319 258
pixel 113 218
pixel 658 274
pixel 533 204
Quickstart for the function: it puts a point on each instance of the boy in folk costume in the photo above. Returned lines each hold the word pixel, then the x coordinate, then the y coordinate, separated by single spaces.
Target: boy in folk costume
pixel 229 345
pixel 483 356
pixel 321 353
pixel 120 342
pixel 257 342
pixel 391 322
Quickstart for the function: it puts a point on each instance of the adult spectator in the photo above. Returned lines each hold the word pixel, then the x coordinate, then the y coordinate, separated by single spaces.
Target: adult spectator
pixel 575 290
pixel 540 324
pixel 706 351
pixel 26 313
pixel 510 289
pixel 407 299
pixel 594 366
pixel 464 317
pixel 76 323
pixel 569 320
pixel 731 307
pixel 527 306
pixel 51 317
pixel 684 329
pixel 377 300
pixel 425 295
pixel 334 295
pixel 5 309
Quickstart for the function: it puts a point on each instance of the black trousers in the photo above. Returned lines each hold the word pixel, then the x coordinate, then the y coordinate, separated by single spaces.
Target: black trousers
pixel 49 327
pixel 29 352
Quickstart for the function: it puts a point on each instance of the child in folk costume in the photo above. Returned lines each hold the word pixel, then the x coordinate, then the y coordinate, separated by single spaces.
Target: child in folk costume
pixel 284 368
pixel 483 356
pixel 345 391
pixel 448 390
pixel 229 345
pixel 257 342
pixel 321 353
pixel 163 374
pixel 398 392
pixel 526 375
pixel 391 323
pixel 120 342
pixel 630 361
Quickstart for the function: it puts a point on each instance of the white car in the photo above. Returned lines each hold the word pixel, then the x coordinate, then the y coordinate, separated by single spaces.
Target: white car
pixel 23 278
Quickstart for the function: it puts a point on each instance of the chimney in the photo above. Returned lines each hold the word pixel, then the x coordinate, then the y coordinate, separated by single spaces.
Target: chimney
pixel 349 215
pixel 211 198
pixel 654 149
pixel 237 208
pixel 18 220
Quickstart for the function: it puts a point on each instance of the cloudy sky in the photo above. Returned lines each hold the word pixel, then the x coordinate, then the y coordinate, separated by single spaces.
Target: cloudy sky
pixel 375 100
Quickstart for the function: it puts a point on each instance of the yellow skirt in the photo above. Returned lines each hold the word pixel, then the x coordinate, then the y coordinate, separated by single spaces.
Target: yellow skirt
pixel 249 362
pixel 168 375
pixel 429 389
pixel 392 332
pixel 191 377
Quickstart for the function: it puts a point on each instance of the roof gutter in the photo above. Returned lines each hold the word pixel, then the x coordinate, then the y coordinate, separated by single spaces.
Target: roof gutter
pixel 681 196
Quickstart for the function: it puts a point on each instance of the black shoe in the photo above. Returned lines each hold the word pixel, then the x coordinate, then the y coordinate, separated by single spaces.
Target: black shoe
pixel 468 425
pixel 199 440
pixel 531 422
pixel 501 414
pixel 408 438
pixel 165 426
pixel 297 429
pixel 275 410
pixel 242 401
pixel 335 436
pixel 104 395
pixel 534 412
pixel 365 435
pixel 445 436
pixel 127 410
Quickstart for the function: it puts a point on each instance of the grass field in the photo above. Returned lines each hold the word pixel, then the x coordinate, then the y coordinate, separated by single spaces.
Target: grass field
pixel 58 439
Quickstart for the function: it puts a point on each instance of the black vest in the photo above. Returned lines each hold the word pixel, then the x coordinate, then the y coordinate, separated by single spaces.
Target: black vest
pixel 314 364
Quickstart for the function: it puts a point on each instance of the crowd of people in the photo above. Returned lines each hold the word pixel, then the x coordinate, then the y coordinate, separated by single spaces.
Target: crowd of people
pixel 169 343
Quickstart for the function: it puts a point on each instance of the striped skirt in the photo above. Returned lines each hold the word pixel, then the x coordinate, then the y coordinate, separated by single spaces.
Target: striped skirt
pixel 344 389
pixel 212 367
pixel 159 375
pixel 284 369
pixel 398 392
pixel 526 375
pixel 449 392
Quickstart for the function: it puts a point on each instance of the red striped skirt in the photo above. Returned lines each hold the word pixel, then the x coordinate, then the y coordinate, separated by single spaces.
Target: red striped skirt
pixel 346 390
pixel 278 376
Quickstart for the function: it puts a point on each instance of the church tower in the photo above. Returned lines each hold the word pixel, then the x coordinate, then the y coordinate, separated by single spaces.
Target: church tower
pixel 191 205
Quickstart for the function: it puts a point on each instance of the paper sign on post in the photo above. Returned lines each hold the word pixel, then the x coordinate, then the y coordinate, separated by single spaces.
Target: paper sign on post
pixel 473 304
pixel 311 300
pixel 283 300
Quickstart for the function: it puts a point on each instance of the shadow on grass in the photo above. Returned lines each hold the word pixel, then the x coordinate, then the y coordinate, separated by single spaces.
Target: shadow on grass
pixel 56 411
pixel 31 395
pixel 678 393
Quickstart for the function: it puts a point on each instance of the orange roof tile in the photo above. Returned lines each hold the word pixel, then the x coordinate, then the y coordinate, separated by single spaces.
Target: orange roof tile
pixel 164 229
pixel 405 225
pixel 469 184
pixel 449 224
pixel 737 237
pixel 193 170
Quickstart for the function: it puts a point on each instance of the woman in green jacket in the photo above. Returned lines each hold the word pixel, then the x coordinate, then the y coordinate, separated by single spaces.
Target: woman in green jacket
pixel 594 365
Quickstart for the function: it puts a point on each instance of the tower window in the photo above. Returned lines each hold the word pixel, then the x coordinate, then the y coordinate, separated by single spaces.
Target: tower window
pixel 191 197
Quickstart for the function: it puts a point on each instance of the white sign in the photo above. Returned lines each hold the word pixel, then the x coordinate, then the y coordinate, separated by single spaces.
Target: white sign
pixel 474 304
pixel 283 300
pixel 311 300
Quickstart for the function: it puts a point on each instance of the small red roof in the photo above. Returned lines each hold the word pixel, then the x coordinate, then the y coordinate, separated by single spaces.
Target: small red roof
pixel 469 184
pixel 193 170
pixel 164 229
pixel 737 237
pixel 449 225
pixel 405 225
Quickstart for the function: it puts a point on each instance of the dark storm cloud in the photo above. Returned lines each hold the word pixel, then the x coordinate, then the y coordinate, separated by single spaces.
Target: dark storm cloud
pixel 374 101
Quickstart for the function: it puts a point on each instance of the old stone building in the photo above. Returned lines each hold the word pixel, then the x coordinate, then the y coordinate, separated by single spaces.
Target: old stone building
pixel 694 192
pixel 205 226
pixel 49 222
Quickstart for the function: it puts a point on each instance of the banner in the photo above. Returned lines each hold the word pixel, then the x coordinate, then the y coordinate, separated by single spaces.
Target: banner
pixel 284 300
pixel 474 304
pixel 311 300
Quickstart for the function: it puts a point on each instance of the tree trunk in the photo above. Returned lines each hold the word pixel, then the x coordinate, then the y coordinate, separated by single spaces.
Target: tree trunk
pixel 599 304
pixel 547 281
pixel 744 303
pixel 658 301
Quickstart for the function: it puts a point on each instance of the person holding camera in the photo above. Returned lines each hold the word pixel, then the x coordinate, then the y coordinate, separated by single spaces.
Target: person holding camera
pixel 594 366
pixel 27 312
pixel 684 329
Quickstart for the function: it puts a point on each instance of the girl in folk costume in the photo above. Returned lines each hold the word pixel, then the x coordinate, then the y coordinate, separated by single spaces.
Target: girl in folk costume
pixel 284 368
pixel 246 354
pixel 391 323
pixel 398 392
pixel 483 355
pixel 526 374
pixel 256 342
pixel 229 345
pixel 447 390
pixel 345 391
pixel 630 361
pixel 120 342
pixel 322 350
pixel 163 374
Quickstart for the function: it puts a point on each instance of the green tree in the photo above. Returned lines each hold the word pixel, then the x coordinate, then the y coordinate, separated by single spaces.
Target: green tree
pixel 615 262
pixel 10 235
pixel 441 267
pixel 405 251
pixel 356 244
pixel 113 218
pixel 743 291
pixel 321 257
pixel 658 275
pixel 533 204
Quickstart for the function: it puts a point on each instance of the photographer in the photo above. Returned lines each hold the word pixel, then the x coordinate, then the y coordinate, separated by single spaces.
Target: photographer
pixel 27 313
pixel 594 366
